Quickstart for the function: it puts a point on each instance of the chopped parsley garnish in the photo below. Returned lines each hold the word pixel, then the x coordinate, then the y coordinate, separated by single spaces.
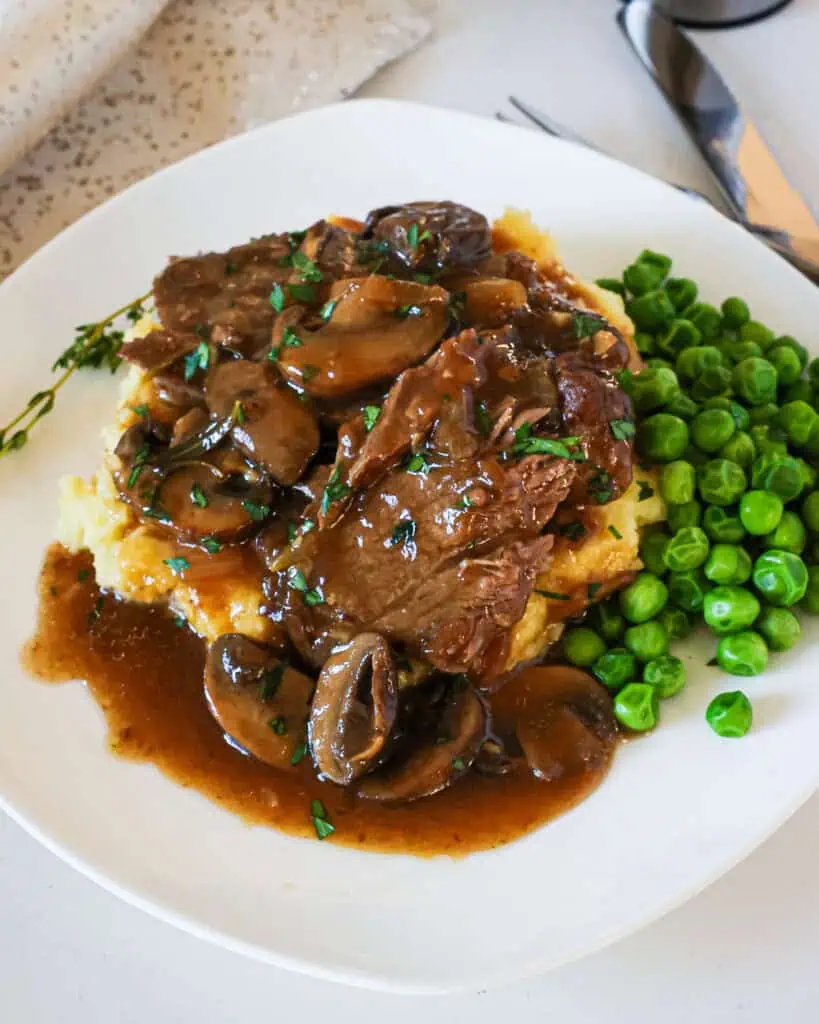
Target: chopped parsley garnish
pixel 211 545
pixel 94 614
pixel 411 309
pixel 601 487
pixel 593 588
pixel 308 372
pixel 289 340
pixel 313 597
pixel 371 414
pixel 298 581
pixel 403 532
pixel 423 278
pixel 197 360
pixel 622 430
pixel 238 413
pixel 526 444
pixel 584 326
pixel 298 754
pixel 458 764
pixel 291 532
pixel 302 292
pixel 615 532
pixel 179 621
pixel 278 725
pixel 277 297
pixel 464 502
pixel 139 464
pixel 83 575
pixel 271 680
pixel 295 238
pixel 574 530
pixel 417 464
pixel 198 496
pixel 307 268
pixel 334 491
pixel 328 309
pixel 553 595
pixel 140 410
pixel 177 565
pixel 256 512
pixel 646 490
pixel 482 419
pixel 203 331
pixel 321 823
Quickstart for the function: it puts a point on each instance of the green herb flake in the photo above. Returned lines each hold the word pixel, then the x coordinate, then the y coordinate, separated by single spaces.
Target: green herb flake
pixel 584 326
pixel 202 331
pixel 178 565
pixel 297 580
pixel 463 503
pixel 321 823
pixel 371 414
pixel 622 430
pixel 307 268
pixel 140 410
pixel 271 681
pixel 276 297
pixel 601 487
pixel 313 597
pixel 278 725
pixel 298 754
pixel 646 491
pixel 198 496
pixel 95 612
pixel 615 532
pixel 308 372
pixel 291 532
pixel 483 420
pixel 417 464
pixel 553 595
pixel 238 413
pixel 179 622
pixel 302 292
pixel 328 309
pixel 334 491
pixel 199 359
pixel 83 575
pixel 593 588
pixel 459 764
pixel 211 545
pixel 410 309
pixel 412 236
pixel 403 533
pixel 256 512
pixel 573 531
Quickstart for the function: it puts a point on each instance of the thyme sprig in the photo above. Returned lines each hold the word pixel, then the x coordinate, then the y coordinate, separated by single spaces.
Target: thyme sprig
pixel 94 346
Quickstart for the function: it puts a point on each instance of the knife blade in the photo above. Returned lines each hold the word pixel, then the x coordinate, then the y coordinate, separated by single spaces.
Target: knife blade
pixel 753 183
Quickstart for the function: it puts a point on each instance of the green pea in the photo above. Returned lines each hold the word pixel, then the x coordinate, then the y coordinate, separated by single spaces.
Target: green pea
pixel 723 525
pixel 646 343
pixel 742 654
pixel 735 312
pixel 652 388
pixel 712 428
pixel 809 475
pixel 728 564
pixel 763 415
pixel 779 474
pixel 755 381
pixel 687 590
pixel 662 437
pixel 608 621
pixel 635 707
pixel 737 350
pixel 779 627
pixel 647 641
pixel 786 363
pixel 682 516
pixel 706 317
pixel 781 577
pixel 695 456
pixel 713 381
pixel 799 391
pixel 760 512
pixel 680 335
pixel 675 622
pixel 810 601
pixel 754 331
pixel 611 284
pixel 730 714
pixel 813 371
pixel 789 535
pixel 651 310
pixel 730 609
pixel 692 361
pixel 810 556
pixel 615 668
pixel 739 449
pixel 812 445
pixel 665 674
pixel 766 440
pixel 683 406
pixel 582 646
pixel 796 419
pixel 640 277
pixel 678 482
pixel 687 549
pixel 652 551
pixel 786 341
pixel 682 291
pixel 644 598
pixel 721 482
pixel 742 417
pixel 810 511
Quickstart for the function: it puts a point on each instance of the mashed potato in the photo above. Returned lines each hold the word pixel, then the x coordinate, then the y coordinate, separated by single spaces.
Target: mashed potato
pixel 129 556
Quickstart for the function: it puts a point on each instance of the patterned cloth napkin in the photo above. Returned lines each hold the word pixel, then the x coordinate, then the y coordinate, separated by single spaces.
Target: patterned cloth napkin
pixel 95 94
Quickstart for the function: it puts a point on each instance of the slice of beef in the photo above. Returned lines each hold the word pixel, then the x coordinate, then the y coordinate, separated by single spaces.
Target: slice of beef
pixel 228 293
pixel 158 349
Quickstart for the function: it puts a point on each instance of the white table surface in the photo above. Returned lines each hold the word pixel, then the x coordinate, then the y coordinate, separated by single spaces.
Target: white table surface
pixel 744 950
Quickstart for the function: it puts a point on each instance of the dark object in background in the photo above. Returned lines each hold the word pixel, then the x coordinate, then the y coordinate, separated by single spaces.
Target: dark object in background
pixel 719 13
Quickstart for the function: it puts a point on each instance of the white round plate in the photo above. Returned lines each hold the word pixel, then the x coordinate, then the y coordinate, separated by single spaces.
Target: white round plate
pixel 679 808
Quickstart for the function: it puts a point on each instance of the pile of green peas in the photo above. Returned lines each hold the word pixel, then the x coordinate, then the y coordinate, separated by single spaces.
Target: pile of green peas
pixel 727 413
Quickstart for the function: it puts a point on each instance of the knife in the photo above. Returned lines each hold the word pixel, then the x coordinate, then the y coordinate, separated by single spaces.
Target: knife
pixel 754 185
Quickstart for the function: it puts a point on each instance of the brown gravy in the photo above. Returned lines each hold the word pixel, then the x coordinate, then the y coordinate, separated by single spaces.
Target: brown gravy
pixel 145 672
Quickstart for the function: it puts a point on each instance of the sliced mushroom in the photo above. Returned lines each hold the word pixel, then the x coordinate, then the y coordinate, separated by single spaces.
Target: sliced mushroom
pixel 563 719
pixel 354 708
pixel 270 423
pixel 257 698
pixel 441 759
pixel 378 327
pixel 204 494
pixel 430 236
